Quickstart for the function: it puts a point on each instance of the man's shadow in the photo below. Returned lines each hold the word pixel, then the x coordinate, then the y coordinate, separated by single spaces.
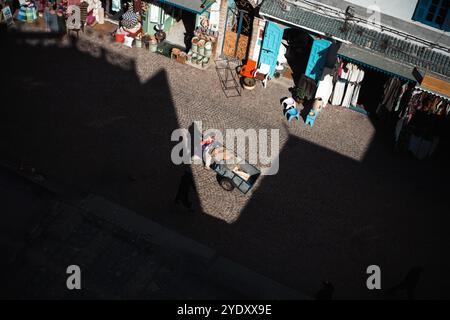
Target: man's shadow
pixel 408 285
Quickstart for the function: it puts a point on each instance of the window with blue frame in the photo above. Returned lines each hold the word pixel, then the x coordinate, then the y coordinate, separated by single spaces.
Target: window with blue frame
pixel 434 13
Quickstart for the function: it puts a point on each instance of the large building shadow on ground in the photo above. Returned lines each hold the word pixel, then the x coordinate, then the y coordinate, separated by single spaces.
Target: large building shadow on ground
pixel 86 120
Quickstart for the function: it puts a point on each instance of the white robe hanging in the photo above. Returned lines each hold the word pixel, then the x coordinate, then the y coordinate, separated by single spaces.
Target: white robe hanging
pixel 355 98
pixel 351 86
pixel 339 88
pixel 325 88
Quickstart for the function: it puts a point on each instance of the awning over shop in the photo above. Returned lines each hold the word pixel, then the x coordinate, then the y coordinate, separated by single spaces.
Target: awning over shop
pixel 433 83
pixel 194 6
pixel 439 94
pixel 376 62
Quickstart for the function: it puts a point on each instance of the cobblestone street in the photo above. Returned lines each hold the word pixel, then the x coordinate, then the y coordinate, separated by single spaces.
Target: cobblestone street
pixel 197 96
pixel 98 117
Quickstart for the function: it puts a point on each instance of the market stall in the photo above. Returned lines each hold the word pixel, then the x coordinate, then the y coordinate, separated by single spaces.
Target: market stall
pixel 423 120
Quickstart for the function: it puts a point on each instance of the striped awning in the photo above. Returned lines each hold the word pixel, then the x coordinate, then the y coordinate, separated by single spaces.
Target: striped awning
pixel 443 96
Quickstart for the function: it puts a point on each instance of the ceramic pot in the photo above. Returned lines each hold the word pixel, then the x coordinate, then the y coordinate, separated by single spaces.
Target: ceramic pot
pixel 153 46
pixel 194 44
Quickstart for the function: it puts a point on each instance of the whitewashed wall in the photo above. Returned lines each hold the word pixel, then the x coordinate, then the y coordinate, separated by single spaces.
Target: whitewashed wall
pixel 259 33
pixel 401 9
pixel 214 15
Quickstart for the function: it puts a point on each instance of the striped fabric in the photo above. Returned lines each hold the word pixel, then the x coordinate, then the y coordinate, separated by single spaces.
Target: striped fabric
pixel 129 19
pixel 83 11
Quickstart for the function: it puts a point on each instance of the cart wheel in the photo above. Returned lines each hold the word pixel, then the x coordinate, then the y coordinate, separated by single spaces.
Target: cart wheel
pixel 226 184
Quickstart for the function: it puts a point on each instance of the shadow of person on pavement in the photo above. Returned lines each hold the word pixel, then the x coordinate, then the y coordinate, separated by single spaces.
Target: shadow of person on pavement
pixel 409 284
pixel 186 183
pixel 326 292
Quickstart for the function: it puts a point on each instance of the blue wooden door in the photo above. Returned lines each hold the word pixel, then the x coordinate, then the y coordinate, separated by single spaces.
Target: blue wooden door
pixel 271 46
pixel 317 59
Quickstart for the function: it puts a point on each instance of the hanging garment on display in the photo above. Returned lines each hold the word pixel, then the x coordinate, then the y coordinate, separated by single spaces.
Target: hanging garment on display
pixel 115 5
pixel 403 90
pixel 354 76
pixel 355 98
pixel 325 88
pixel 392 90
pixel 84 11
pixel 413 104
pixel 339 88
pixel 51 21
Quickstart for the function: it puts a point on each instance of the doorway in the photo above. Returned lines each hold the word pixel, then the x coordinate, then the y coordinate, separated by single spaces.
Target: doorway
pixel 298 44
pixel 238 29
pixel 182 30
pixel 372 90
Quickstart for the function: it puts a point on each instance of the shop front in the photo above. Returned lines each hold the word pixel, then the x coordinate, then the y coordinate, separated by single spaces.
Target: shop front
pixel 184 30
pixel 414 108
pixel 189 29
pixel 295 54
pixel 179 19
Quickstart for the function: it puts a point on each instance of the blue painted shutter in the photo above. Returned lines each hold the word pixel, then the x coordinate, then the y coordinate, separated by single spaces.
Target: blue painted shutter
pixel 422 10
pixel 271 45
pixel 317 59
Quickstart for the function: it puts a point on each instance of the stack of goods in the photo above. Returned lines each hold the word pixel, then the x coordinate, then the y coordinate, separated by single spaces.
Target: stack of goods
pixel 201 49
pixel 27 12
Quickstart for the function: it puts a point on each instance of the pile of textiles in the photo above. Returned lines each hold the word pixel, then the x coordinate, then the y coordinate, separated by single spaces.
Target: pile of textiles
pixel 27 12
